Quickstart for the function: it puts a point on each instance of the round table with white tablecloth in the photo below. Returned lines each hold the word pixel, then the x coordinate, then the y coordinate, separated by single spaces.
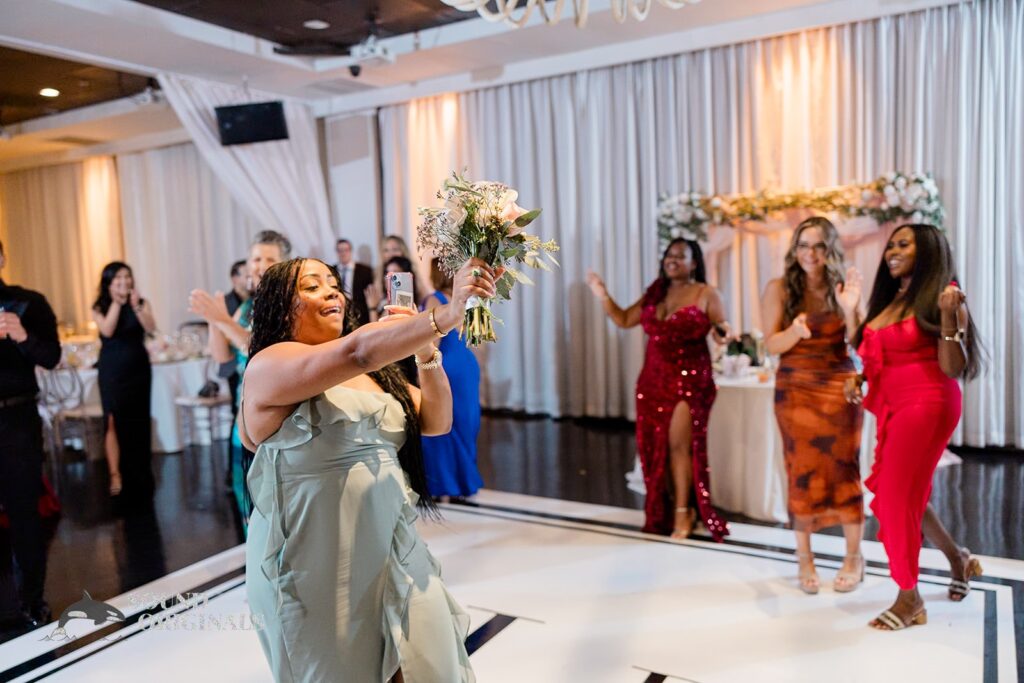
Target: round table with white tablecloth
pixel 171 380
pixel 748 470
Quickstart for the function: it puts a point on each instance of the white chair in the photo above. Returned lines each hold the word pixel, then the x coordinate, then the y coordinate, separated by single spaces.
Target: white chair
pixel 190 408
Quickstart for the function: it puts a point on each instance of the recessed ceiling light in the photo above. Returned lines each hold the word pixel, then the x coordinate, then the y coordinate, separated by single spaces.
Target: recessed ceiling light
pixel 49 92
pixel 316 24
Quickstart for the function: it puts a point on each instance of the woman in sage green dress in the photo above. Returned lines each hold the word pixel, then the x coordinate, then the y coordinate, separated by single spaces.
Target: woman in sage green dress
pixel 339 578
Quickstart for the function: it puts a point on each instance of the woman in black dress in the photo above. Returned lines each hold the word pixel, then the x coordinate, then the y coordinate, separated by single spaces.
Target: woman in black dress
pixel 123 318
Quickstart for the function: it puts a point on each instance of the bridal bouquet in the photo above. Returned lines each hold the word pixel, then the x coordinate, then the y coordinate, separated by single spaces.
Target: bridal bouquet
pixel 482 220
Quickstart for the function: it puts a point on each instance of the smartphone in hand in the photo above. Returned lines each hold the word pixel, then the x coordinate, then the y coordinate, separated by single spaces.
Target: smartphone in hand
pixel 16 307
pixel 400 291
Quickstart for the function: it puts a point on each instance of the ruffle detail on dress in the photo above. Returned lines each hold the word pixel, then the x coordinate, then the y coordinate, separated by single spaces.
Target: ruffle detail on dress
pixel 870 352
pixel 309 418
pixel 398 592
pixel 264 479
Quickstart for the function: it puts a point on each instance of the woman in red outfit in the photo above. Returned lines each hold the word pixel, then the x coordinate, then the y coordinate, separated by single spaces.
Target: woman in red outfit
pixel 918 339
pixel 675 389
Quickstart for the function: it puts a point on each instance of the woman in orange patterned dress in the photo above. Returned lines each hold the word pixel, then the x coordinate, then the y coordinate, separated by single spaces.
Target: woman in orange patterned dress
pixel 809 313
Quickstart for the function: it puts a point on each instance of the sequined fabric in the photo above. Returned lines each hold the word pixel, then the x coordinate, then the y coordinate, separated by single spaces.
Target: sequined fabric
pixel 677 367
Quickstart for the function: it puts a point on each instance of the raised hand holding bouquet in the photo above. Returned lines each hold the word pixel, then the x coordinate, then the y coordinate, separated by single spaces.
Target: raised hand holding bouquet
pixel 482 220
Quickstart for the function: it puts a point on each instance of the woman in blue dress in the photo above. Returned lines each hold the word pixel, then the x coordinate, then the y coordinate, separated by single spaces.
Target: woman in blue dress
pixel 450 460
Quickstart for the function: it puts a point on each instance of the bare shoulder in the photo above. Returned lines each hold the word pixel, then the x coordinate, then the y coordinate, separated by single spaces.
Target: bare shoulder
pixel 265 360
pixel 709 295
pixel 775 289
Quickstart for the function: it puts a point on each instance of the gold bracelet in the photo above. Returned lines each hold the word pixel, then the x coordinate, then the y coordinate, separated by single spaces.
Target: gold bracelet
pixel 433 324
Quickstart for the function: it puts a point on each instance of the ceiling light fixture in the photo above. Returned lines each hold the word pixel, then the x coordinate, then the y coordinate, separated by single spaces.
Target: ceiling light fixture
pixel 49 92
pixel 621 9
pixel 316 24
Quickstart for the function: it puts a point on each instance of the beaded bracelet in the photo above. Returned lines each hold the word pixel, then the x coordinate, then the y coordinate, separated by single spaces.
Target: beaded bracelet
pixel 433 363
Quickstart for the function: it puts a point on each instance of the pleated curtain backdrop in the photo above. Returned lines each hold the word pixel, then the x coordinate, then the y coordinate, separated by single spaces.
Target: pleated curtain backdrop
pixel 182 228
pixel 938 90
pixel 61 224
pixel 281 182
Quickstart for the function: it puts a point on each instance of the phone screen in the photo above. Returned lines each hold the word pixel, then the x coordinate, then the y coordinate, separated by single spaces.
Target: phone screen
pixel 13 306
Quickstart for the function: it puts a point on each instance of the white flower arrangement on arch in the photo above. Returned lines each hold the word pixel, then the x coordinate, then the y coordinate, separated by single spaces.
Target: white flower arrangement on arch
pixel 894 196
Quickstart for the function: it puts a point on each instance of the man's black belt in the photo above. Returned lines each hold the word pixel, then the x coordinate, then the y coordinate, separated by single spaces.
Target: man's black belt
pixel 17 400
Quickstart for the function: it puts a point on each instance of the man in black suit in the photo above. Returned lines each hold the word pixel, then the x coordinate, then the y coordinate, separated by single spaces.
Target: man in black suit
pixel 28 337
pixel 355 278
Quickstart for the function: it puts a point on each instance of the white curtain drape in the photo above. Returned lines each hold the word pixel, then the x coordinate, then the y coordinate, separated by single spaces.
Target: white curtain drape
pixel 281 183
pixel 938 90
pixel 182 228
pixel 61 225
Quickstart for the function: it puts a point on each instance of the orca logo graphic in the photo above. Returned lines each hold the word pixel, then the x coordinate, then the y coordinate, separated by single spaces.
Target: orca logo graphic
pixel 92 610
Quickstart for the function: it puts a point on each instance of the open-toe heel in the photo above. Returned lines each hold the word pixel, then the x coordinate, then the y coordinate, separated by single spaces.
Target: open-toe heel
pixel 959 588
pixel 808 578
pixel 847 582
pixel 890 621
pixel 684 530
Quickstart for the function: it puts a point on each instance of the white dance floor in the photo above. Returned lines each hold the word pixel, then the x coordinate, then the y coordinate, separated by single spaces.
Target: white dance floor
pixel 564 591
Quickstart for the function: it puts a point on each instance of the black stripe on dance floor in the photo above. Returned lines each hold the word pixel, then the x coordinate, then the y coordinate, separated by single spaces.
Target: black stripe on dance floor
pixel 104 633
pixel 492 627
pixel 990 656
pixel 499 622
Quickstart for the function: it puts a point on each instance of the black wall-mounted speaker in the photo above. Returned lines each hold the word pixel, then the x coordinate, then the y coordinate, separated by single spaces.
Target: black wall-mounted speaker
pixel 258 122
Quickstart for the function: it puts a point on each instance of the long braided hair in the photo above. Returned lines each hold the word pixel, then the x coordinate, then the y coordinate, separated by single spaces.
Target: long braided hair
pixel 794 278
pixel 273 319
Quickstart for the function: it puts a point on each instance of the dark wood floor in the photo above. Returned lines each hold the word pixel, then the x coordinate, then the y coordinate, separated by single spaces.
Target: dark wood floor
pixel 981 501
pixel 96 549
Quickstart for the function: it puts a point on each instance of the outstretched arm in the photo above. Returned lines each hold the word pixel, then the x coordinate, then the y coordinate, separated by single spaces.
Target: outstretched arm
pixel 290 372
pixel 622 317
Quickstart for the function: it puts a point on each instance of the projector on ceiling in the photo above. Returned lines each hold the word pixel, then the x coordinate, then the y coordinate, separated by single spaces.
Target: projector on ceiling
pixel 370 52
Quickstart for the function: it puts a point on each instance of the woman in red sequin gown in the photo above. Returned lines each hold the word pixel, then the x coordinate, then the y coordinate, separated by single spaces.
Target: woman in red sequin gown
pixel 675 389
pixel 918 339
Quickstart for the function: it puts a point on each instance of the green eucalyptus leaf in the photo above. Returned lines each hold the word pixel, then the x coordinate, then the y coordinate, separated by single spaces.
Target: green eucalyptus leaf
pixel 527 218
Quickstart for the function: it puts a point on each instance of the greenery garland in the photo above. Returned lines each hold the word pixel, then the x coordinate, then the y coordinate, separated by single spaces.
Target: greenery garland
pixel 894 196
